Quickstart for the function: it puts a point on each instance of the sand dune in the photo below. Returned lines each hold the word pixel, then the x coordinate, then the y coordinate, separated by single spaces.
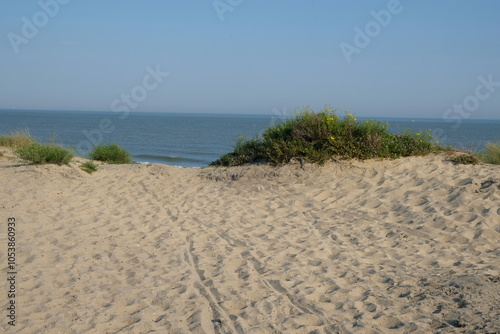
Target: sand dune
pixel 404 246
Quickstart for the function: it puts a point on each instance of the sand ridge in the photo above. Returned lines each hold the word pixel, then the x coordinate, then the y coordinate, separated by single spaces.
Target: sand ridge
pixel 400 246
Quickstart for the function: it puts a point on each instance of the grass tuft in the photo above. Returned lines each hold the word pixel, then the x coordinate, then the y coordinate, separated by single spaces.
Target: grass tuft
pixel 112 154
pixel 17 139
pixel 320 137
pixel 39 154
pixel 492 153
pixel 468 158
pixel 89 167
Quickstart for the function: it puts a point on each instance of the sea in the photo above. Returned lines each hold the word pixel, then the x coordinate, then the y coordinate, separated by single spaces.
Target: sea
pixel 195 140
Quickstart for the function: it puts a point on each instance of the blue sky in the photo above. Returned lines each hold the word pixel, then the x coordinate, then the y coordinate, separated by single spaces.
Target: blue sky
pixel 253 56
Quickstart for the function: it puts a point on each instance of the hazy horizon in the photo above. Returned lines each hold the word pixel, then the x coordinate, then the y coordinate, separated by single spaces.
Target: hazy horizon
pixel 406 59
pixel 289 113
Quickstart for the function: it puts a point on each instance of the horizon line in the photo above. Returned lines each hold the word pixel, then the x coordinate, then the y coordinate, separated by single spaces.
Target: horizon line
pixel 231 114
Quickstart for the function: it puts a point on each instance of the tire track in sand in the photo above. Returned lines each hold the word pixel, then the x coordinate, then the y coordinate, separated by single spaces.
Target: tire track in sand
pixel 220 318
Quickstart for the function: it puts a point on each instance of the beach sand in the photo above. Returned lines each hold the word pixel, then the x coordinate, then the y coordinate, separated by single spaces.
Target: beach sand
pixel 398 246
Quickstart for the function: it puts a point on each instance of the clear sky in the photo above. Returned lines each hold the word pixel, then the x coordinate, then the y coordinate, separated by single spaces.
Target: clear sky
pixel 375 58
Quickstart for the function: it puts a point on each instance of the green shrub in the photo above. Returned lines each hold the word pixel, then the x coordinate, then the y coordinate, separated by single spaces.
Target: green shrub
pixel 466 159
pixel 492 154
pixel 319 137
pixel 17 139
pixel 44 154
pixel 110 153
pixel 89 167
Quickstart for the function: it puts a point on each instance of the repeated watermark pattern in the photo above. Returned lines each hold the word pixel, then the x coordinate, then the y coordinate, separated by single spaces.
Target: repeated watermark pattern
pixel 471 103
pixel 280 115
pixel 31 27
pixel 223 6
pixel 371 30
pixel 123 105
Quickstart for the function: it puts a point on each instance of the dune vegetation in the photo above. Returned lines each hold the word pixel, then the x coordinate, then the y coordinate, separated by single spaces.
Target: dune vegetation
pixel 89 167
pixel 322 136
pixel 16 139
pixel 110 153
pixel 40 154
pixel 492 154
pixel 28 149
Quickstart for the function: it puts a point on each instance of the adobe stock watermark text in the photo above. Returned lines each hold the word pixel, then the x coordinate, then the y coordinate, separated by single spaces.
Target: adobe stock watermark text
pixel 31 26
pixel 123 105
pixel 372 29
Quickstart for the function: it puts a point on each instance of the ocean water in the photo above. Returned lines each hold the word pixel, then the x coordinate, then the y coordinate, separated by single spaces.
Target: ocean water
pixel 195 140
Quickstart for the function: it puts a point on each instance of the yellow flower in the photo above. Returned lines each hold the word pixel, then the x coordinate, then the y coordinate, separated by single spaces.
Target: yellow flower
pixel 332 138
pixel 351 116
pixel 329 119
pixel 418 134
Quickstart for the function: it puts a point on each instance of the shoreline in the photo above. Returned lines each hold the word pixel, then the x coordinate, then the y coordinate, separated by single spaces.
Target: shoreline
pixel 218 136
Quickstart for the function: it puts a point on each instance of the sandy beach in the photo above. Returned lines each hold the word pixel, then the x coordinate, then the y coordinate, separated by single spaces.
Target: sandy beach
pixel 397 246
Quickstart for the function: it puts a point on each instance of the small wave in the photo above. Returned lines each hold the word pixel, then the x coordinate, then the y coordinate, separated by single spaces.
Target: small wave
pixel 177 166
pixel 168 159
